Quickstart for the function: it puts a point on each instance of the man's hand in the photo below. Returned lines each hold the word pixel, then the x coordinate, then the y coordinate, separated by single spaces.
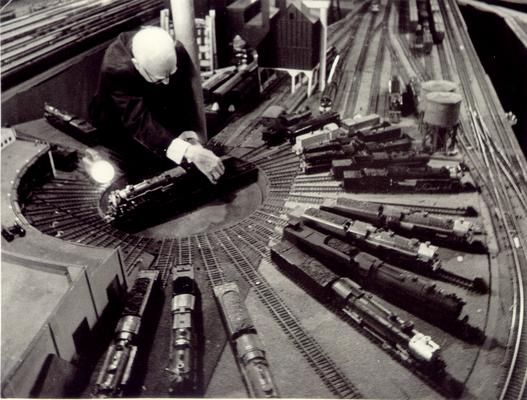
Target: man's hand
pixel 190 137
pixel 206 161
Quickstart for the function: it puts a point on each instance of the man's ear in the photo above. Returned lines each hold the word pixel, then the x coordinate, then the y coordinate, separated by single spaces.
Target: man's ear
pixel 136 63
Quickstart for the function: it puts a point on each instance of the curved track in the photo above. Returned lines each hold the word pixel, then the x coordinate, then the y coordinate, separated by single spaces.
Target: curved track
pixel 504 178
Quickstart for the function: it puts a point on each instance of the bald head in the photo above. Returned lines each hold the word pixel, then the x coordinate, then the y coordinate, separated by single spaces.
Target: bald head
pixel 154 54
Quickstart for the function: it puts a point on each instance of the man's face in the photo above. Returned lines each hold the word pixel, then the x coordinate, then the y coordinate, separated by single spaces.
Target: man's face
pixel 158 72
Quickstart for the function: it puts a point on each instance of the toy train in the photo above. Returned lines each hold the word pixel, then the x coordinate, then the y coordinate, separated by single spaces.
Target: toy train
pixel 72 125
pixel 448 231
pixel 246 344
pixel 277 121
pixel 381 159
pixel 407 289
pixel 307 123
pixel 329 94
pixel 176 190
pixel 321 148
pixel 182 367
pixel 409 180
pixel 395 335
pixel 411 254
pixel 395 99
pixel 114 376
pixel 426 22
pixel 233 88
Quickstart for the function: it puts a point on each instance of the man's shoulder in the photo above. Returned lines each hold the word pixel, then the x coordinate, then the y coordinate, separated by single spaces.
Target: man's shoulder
pixel 118 55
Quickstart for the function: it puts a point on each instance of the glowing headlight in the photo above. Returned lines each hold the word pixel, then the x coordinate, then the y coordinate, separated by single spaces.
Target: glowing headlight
pixel 102 171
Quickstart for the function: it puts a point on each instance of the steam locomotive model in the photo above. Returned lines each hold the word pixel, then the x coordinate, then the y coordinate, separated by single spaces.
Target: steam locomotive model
pixel 329 93
pixel 422 180
pixel 335 59
pixel 439 229
pixel 246 344
pixel 379 159
pixel 277 125
pixel 410 253
pixel 395 335
pixel 237 90
pixel 183 354
pixel 176 190
pixel 405 288
pixel 116 369
pixel 311 124
pixel 395 99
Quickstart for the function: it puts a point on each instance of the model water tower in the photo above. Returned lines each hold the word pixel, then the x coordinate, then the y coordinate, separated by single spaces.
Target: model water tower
pixel 433 86
pixel 441 120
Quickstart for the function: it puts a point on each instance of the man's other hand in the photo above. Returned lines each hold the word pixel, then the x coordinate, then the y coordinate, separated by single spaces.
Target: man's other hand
pixel 206 161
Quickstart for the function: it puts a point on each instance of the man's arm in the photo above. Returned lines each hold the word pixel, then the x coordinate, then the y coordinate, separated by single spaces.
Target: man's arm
pixel 187 70
pixel 139 122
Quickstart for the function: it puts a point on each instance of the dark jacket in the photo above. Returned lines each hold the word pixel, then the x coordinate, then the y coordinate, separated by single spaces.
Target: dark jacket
pixel 126 106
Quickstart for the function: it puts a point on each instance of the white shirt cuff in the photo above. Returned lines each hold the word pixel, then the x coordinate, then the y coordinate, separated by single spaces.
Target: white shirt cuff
pixel 177 150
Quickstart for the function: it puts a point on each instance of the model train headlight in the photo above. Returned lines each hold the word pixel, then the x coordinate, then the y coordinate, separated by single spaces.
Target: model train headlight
pixel 424 348
pixel 100 170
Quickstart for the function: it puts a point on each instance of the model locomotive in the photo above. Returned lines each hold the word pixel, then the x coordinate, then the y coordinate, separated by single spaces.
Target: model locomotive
pixel 246 344
pixel 397 336
pixel 403 287
pixel 449 231
pixel 182 366
pixel 176 190
pixel 116 371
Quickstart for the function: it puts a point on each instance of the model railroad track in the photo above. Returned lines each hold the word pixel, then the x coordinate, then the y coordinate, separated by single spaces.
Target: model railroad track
pixel 299 189
pixel 339 32
pixel 511 161
pixel 428 61
pixel 457 280
pixel 516 379
pixel 168 252
pixel 352 92
pixel 210 245
pixel 397 67
pixel 517 162
pixel 73 215
pixel 375 94
pixel 211 263
pixel 417 67
pixel 242 130
pixel 250 239
pixel 280 157
pixel 344 51
pixel 491 172
pixel 306 199
pixel 443 61
pixel 50 32
pixel 264 151
pixel 314 179
pixel 325 368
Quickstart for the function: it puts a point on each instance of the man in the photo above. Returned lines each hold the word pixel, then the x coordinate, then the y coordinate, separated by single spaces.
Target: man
pixel 144 103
